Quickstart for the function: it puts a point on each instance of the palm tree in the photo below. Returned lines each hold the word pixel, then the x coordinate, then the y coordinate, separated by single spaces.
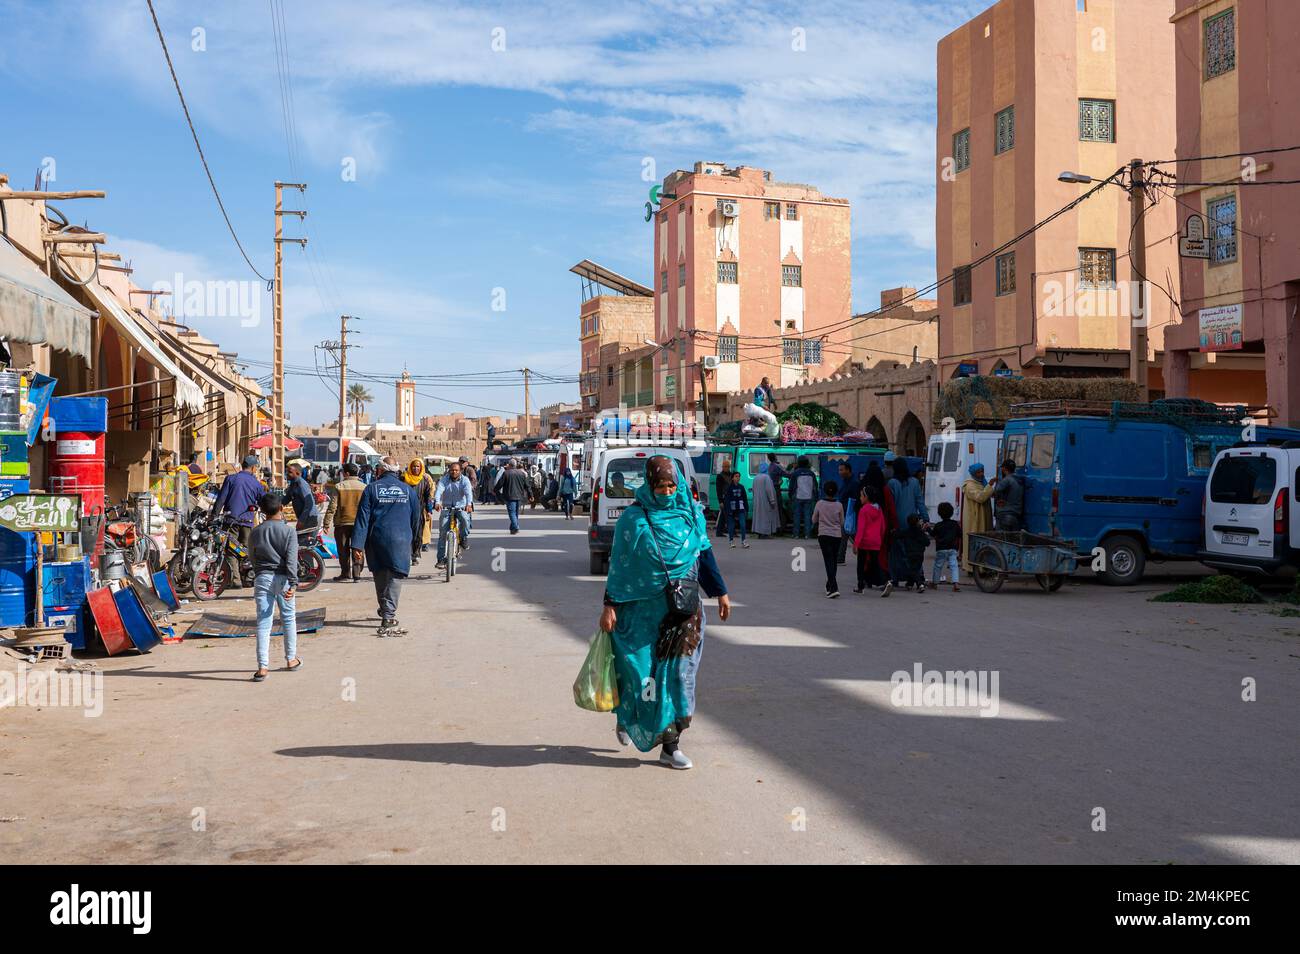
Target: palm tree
pixel 358 398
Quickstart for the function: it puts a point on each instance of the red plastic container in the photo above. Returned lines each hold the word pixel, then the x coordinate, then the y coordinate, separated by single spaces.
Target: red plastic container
pixel 76 465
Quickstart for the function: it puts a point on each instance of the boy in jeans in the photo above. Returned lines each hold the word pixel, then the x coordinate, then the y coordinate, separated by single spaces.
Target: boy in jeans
pixel 828 524
pixel 735 504
pixel 274 545
pixel 947 546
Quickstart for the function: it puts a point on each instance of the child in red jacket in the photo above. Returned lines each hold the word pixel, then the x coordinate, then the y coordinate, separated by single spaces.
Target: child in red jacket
pixel 869 539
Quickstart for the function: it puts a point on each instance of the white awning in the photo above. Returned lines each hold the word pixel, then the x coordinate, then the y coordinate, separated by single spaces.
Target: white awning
pixel 34 310
pixel 188 394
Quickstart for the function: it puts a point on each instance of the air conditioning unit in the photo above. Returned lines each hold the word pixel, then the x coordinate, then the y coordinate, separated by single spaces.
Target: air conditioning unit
pixel 730 209
pixel 710 361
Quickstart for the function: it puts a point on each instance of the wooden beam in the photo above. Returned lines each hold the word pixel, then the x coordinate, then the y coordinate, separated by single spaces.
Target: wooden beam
pixel 35 194
pixel 76 238
pixel 103 256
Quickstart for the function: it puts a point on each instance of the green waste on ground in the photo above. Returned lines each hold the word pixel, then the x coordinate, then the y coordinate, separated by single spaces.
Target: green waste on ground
pixel 1213 589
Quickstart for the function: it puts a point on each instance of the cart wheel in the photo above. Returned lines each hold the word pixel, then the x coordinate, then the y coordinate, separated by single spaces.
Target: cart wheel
pixel 1051 582
pixel 989 569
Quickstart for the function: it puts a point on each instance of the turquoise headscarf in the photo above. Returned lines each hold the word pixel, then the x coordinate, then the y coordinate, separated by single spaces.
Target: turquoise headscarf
pixel 674 523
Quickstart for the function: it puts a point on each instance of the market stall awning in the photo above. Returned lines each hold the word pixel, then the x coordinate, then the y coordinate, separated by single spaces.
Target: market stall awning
pixel 188 394
pixel 264 443
pixel 34 310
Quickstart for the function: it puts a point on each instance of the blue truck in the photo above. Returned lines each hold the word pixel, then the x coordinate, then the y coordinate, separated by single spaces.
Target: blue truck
pixel 1125 482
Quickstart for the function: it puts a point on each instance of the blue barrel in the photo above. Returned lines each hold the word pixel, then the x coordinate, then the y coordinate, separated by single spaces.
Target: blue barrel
pixel 17 565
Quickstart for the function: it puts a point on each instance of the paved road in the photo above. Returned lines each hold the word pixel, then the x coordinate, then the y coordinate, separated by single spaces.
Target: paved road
pixel 460 742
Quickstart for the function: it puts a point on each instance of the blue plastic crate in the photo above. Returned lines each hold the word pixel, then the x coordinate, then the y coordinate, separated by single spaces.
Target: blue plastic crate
pixel 79 413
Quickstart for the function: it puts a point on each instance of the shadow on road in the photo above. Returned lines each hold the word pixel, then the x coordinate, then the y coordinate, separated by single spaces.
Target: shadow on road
pixel 468 753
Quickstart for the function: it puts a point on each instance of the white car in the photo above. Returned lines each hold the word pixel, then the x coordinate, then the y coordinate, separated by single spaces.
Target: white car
pixel 619 472
pixel 1248 525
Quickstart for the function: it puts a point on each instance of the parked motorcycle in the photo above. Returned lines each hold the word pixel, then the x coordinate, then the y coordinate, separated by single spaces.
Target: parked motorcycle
pixel 196 564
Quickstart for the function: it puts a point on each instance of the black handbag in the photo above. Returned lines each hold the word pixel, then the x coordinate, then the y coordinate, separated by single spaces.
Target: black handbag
pixel 682 596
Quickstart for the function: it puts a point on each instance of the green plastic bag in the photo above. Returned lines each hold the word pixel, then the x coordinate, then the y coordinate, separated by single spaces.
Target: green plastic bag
pixel 596 687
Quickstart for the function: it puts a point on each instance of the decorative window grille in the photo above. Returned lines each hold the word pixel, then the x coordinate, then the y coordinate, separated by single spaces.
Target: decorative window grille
pixel 1005 132
pixel 1220 43
pixel 792 276
pixel 1097 120
pixel 812 351
pixel 728 348
pixel 1222 214
pixel 727 273
pixel 1006 267
pixel 791 352
pixel 681 275
pixel 961 285
pixel 961 150
pixel 1096 267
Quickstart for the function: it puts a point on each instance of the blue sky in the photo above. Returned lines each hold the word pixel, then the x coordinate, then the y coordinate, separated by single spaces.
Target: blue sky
pixel 476 168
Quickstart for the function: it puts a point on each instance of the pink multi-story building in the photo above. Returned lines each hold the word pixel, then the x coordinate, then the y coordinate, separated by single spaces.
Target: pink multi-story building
pixel 753 272
pixel 1238 79
pixel 1030 89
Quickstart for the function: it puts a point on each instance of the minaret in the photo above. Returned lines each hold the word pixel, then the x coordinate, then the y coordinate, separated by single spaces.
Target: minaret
pixel 406 402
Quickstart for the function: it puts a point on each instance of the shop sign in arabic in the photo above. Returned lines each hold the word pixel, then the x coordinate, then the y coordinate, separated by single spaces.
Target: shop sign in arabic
pixel 51 513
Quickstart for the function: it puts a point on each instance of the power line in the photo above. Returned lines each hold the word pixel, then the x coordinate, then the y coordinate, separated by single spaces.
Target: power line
pixel 203 159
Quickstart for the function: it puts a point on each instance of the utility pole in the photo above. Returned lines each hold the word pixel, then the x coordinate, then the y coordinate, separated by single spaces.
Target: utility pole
pixel 1138 319
pixel 527 416
pixel 277 334
pixel 340 350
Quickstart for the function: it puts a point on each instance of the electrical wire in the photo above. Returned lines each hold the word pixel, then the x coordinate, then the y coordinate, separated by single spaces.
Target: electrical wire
pixel 197 145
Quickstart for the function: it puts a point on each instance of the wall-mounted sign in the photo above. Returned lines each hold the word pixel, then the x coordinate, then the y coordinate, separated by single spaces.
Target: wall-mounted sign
pixel 670 385
pixel 1221 328
pixel 967 368
pixel 1193 243
pixel 52 513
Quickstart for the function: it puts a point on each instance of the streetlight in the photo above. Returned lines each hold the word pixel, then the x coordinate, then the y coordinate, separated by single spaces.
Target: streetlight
pixel 1136 190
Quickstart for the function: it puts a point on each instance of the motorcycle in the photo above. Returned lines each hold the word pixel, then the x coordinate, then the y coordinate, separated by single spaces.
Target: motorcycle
pixel 311 559
pixel 196 565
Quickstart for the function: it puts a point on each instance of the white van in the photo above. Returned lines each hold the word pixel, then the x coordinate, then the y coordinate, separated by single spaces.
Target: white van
pixel 619 470
pixel 1248 525
pixel 947 466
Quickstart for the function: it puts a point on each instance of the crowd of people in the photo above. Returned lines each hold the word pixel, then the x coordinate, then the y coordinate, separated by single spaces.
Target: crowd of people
pixel 880 514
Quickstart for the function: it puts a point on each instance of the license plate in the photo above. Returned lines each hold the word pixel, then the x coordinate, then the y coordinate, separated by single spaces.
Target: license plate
pixel 1241 539
pixel 615 512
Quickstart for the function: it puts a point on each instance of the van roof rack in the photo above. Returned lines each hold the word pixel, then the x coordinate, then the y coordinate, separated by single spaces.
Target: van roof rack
pixel 1185 413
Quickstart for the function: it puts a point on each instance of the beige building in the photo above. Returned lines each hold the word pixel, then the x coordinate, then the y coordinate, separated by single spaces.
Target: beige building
pixel 1028 90
pixel 617 316
pixel 900 332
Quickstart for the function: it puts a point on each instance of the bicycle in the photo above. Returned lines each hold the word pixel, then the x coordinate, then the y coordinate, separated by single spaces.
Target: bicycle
pixel 453 542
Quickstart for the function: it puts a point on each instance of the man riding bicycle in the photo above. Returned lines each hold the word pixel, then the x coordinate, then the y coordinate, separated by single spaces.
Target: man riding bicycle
pixel 454 493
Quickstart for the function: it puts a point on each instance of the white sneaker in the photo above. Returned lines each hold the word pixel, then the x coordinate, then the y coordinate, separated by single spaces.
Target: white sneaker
pixel 733 546
pixel 677 760
pixel 623 738
pixel 889 588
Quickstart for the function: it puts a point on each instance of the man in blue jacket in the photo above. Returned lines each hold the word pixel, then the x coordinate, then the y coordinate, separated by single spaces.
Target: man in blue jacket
pixel 239 496
pixel 388 519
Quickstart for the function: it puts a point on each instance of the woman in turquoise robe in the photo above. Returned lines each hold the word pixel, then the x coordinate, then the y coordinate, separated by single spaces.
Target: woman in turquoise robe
pixel 661 537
